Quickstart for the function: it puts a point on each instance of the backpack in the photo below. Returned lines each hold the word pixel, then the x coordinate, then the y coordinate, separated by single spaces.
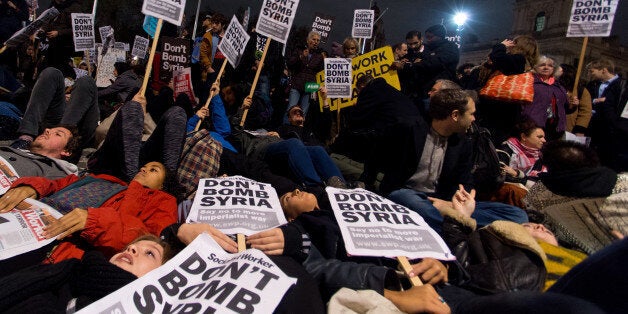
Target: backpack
pixel 486 170
pixel 200 158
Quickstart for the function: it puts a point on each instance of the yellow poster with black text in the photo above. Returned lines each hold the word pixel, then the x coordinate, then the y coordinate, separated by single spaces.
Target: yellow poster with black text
pixel 376 63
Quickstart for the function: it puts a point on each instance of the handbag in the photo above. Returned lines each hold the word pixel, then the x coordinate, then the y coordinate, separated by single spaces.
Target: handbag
pixel 517 88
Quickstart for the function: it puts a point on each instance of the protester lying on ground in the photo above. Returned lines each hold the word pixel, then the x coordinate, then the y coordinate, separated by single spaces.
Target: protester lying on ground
pixel 100 211
pixel 48 105
pixel 124 149
pixel 582 201
pixel 46 155
pixel 75 283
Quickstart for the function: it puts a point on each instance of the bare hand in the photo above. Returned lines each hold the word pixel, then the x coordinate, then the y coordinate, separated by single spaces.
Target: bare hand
pixel 52 34
pixel 14 196
pixel 141 99
pixel 189 231
pixel 215 89
pixel 508 43
pixel 306 53
pixel 246 103
pixel 68 224
pixel 509 171
pixel 270 241
pixel 421 299
pixel 463 201
pixel 202 113
pixel 430 270
pixel 273 133
pixel 440 204
pixel 573 101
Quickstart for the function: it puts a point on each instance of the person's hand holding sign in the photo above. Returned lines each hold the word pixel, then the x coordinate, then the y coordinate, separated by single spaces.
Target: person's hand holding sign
pixel 270 241
pixel 431 271
pixel 68 224
pixel 189 231
pixel 14 196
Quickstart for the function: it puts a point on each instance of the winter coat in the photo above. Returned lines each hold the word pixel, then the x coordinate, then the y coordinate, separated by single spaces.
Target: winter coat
pixel 130 213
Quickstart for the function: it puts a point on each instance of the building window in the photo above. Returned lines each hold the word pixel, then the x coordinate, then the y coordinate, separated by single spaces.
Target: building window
pixel 539 22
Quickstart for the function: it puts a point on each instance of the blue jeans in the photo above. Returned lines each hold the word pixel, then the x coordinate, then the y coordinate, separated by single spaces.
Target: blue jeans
pixel 484 214
pixel 297 98
pixel 308 164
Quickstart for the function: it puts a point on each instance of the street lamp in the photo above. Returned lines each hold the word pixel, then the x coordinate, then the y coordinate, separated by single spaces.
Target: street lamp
pixel 459 19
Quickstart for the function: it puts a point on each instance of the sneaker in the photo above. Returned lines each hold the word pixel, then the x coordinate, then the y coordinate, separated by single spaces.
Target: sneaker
pixel 21 144
pixel 336 182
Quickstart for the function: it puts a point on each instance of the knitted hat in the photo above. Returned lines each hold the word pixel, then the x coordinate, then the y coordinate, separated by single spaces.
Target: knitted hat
pixel 437 30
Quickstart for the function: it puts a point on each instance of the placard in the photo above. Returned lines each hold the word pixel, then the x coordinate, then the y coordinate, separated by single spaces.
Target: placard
pixel 168 10
pixel 83 31
pixel 591 18
pixel 322 24
pixel 236 205
pixel 234 42
pixel 363 21
pixel 104 72
pixel 175 55
pixel 338 77
pixel 25 33
pixel 183 84
pixel 372 225
pixel 140 46
pixel 104 32
pixel 376 63
pixel 202 278
pixel 276 17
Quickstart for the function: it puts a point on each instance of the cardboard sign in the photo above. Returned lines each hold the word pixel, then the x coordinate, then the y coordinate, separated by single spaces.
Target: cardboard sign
pixel 233 43
pixel 276 17
pixel 168 10
pixel 376 63
pixel 203 278
pixel 83 31
pixel 150 25
pixel 104 32
pixel 592 18
pixel 322 24
pixel 25 33
pixel 363 21
pixel 104 74
pixel 140 46
pixel 183 84
pixel 371 225
pixel 175 55
pixel 236 205
pixel 338 77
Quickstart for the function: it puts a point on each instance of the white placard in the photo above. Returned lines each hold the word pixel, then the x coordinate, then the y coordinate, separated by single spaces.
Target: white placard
pixel 83 31
pixel 338 76
pixel 363 21
pixel 140 46
pixel 104 74
pixel 275 19
pixel 104 32
pixel 236 205
pixel 203 278
pixel 169 10
pixel 234 42
pixel 21 230
pixel 375 226
pixel 591 18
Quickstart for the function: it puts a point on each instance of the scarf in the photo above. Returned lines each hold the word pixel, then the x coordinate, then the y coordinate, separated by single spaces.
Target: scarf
pixel 523 157
pixel 585 182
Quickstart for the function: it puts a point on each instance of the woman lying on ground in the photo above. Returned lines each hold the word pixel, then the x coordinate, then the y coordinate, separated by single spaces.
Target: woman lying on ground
pixel 100 211
pixel 75 283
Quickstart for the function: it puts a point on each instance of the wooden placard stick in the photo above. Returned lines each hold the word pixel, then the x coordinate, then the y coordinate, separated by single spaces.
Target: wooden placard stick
pixel 241 242
pixel 407 268
pixel 209 99
pixel 89 64
pixel 259 70
pixel 574 91
pixel 149 65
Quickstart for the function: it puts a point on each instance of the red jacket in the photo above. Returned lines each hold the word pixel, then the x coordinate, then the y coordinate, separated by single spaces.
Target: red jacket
pixel 122 218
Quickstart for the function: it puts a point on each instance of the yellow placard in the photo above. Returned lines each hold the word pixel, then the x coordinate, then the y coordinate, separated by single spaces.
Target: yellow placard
pixel 376 63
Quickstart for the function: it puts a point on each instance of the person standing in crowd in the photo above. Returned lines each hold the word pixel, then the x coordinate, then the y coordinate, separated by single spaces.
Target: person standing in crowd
pixel 438 60
pixel 59 31
pixel 304 63
pixel 550 100
pixel 609 130
pixel 578 117
pixel 350 48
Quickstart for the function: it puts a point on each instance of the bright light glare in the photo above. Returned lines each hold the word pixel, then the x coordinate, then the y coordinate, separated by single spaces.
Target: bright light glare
pixel 460 18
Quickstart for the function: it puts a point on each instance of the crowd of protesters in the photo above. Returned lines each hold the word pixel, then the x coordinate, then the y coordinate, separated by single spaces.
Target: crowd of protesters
pixel 532 198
